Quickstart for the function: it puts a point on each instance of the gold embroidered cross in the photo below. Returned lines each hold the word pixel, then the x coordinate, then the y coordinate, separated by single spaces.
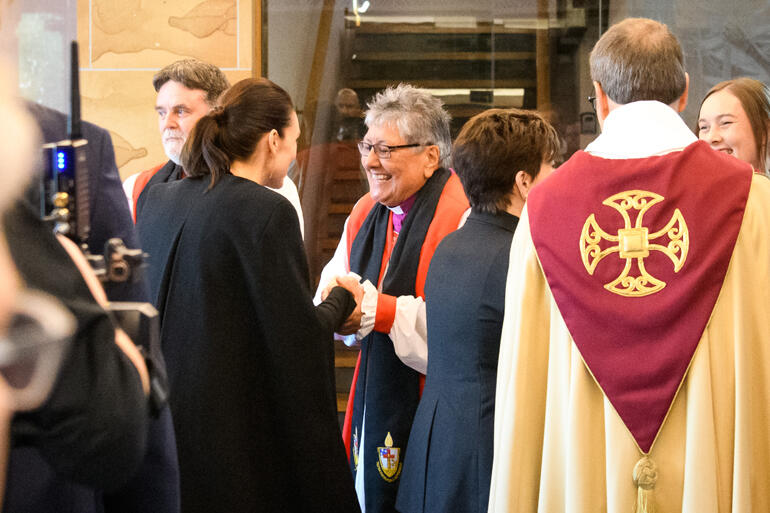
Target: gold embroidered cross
pixel 634 243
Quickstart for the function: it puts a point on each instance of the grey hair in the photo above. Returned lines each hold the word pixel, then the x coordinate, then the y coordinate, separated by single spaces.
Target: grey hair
pixel 419 117
pixel 194 74
pixel 639 59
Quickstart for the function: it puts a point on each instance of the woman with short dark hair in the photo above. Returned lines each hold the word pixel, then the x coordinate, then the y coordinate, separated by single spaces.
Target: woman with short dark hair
pixel 499 156
pixel 246 350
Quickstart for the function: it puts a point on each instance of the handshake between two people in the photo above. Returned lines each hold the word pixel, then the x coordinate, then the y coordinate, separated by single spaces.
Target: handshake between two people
pixel 349 282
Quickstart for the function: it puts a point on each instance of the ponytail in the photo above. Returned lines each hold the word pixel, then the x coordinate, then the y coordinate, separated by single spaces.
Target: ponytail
pixel 246 111
pixel 202 153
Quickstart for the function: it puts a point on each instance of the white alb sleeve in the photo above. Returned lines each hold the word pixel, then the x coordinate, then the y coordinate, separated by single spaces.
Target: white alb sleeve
pixel 409 333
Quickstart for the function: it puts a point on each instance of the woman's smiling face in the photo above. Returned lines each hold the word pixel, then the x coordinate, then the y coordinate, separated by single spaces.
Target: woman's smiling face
pixel 723 124
pixel 396 179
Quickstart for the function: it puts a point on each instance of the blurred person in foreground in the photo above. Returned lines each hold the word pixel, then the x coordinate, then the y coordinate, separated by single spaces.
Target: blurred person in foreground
pixel 17 154
pixel 388 241
pixel 89 434
pixel 735 118
pixel 187 90
pixel 156 483
pixel 634 365
pixel 499 155
pixel 245 347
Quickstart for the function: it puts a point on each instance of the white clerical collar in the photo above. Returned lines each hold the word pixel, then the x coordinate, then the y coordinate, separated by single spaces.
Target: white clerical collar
pixel 396 210
pixel 641 129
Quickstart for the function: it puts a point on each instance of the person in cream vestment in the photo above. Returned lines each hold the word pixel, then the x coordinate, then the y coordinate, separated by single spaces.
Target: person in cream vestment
pixel 634 367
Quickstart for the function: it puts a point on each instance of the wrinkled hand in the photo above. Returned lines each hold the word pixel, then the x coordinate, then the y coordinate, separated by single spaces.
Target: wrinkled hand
pixel 353 322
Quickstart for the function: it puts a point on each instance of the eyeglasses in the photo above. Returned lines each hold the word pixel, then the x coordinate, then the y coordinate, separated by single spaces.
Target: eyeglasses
pixel 32 350
pixel 383 150
pixel 592 101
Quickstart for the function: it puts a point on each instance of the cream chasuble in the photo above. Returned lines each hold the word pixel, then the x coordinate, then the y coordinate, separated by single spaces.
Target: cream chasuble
pixel 560 446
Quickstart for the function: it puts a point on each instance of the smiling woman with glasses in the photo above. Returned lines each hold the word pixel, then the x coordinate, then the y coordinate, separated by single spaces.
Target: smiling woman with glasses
pixel 389 239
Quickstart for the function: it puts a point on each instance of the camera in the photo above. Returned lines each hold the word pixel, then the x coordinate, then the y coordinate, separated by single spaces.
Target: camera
pixel 65 203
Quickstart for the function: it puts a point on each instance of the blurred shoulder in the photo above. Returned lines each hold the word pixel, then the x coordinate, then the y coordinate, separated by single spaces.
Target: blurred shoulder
pixel 94 133
pixel 53 124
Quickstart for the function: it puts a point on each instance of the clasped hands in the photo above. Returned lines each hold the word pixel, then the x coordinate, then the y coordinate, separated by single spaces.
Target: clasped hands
pixel 351 284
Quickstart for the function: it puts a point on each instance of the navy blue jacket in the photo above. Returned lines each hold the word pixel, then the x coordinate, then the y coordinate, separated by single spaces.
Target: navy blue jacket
pixel 449 462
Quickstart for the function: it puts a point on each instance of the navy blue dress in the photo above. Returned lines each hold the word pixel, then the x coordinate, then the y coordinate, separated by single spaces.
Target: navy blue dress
pixel 449 463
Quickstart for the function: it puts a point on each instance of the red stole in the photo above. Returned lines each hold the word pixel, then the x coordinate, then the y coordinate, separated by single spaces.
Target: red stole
pixel 139 184
pixel 637 334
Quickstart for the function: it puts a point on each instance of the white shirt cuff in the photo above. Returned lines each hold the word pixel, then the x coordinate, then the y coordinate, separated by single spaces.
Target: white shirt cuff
pixel 368 310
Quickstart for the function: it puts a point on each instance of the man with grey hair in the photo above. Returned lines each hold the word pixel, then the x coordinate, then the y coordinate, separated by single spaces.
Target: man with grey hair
pixel 388 241
pixel 187 90
pixel 632 367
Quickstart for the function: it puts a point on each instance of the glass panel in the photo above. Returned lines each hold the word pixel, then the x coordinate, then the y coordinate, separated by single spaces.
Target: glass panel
pixel 720 40
pixel 332 56
pixel 522 53
pixel 36 35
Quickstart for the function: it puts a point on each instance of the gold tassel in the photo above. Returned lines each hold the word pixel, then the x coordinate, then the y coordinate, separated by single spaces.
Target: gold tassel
pixel 645 477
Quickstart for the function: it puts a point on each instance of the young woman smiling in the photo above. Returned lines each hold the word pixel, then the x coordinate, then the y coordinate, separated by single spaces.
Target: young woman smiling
pixel 735 118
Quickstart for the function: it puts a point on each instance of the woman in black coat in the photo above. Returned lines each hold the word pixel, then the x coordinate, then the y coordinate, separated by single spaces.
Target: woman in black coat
pixel 246 350
pixel 499 156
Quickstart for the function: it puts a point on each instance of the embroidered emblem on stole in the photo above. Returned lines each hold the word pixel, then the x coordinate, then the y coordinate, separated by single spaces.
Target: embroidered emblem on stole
pixel 634 243
pixel 389 464
pixel 355 449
